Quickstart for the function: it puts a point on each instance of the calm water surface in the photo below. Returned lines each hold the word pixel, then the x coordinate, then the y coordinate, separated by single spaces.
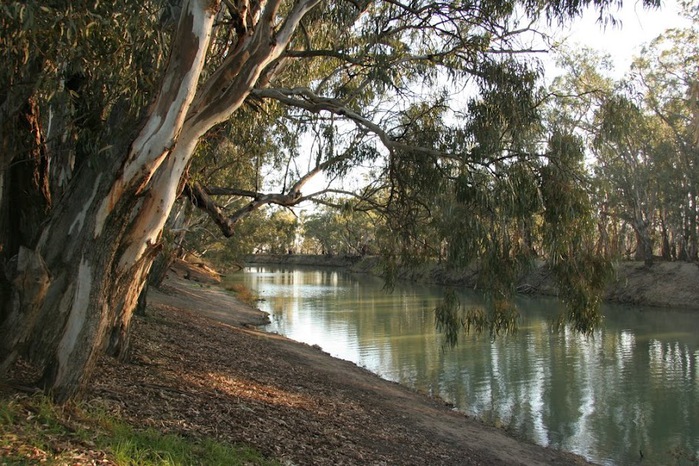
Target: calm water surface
pixel 632 387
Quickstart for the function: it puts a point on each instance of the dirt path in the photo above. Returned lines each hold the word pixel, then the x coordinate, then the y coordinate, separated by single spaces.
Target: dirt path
pixel 196 369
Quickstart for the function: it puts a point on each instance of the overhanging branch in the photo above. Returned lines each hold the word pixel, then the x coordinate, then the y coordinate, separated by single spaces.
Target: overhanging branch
pixel 306 99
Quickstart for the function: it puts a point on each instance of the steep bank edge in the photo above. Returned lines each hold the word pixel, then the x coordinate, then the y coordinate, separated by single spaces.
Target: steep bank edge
pixel 662 284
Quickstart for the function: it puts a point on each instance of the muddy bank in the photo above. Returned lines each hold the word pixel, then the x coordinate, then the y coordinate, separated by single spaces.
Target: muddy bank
pixel 662 284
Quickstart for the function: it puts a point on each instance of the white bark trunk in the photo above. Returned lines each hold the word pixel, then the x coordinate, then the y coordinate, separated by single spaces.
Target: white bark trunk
pixel 102 213
pixel 99 243
pixel 77 319
pixel 158 202
pixel 161 131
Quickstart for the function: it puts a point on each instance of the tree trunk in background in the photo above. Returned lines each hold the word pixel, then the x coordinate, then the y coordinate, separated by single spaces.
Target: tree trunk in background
pixel 603 247
pixel 692 241
pixel 644 244
pixel 665 250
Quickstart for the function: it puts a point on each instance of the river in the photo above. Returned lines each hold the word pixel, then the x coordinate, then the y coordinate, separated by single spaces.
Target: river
pixel 627 394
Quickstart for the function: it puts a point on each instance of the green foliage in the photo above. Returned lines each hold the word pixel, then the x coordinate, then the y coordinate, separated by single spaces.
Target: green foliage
pixel 642 134
pixel 150 447
pixel 279 234
pixel 499 316
pixel 566 203
pixel 580 274
pixel 344 231
pixel 448 319
pixel 231 153
pixel 529 209
pixel 271 231
pixel 505 115
pixel 581 283
pixel 486 213
pixel 93 56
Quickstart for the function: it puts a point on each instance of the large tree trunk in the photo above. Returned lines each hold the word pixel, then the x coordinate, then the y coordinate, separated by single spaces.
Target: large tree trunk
pixel 82 280
pixel 73 292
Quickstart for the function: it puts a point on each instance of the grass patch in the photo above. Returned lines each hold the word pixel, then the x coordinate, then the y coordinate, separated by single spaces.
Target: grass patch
pixel 34 430
pixel 242 292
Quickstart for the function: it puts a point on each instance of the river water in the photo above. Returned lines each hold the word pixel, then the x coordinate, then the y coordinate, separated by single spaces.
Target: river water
pixel 631 389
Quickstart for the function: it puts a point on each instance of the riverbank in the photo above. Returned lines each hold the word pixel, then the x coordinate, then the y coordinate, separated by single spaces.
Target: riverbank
pixel 661 284
pixel 193 375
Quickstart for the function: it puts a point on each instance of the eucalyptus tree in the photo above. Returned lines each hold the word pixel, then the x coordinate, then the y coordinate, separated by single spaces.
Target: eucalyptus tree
pixel 667 81
pixel 104 105
pixel 578 95
pixel 279 232
pixel 639 131
pixel 344 229
pixel 627 148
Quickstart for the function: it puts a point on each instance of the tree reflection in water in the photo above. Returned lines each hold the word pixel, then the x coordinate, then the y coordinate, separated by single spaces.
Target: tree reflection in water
pixel 632 386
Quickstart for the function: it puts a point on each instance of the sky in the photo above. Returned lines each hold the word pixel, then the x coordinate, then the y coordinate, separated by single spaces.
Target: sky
pixel 638 27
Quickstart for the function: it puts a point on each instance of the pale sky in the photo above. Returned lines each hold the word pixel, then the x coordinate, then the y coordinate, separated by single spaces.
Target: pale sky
pixel 638 27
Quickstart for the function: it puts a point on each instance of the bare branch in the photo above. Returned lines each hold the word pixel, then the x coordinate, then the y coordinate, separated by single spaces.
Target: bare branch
pixel 304 98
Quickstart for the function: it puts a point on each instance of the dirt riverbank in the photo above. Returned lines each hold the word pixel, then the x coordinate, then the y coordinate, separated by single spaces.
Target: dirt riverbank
pixel 197 369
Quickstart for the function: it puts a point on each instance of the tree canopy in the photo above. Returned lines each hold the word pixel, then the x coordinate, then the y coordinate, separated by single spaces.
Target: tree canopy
pixel 109 110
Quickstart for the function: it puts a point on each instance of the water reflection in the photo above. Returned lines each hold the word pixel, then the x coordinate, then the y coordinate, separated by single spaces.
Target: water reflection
pixel 630 387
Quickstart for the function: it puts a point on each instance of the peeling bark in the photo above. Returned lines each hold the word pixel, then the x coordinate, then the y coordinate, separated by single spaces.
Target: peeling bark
pixel 31 275
pixel 162 129
pixel 74 292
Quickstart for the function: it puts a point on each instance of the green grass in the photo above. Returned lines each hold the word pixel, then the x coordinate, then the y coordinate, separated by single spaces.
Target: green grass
pixel 33 429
